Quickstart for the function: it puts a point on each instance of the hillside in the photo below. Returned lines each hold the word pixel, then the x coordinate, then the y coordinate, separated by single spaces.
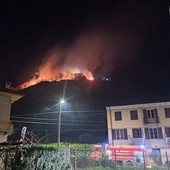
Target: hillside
pixel 83 113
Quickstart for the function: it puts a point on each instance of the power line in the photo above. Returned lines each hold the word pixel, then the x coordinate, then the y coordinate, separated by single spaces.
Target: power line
pixel 34 118
pixel 71 111
pixel 48 123
pixel 69 130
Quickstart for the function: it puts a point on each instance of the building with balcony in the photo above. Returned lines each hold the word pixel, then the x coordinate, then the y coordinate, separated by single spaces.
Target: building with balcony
pixel 7 97
pixel 141 124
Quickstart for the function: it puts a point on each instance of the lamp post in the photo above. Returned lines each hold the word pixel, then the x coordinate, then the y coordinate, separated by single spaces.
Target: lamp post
pixel 143 154
pixel 59 120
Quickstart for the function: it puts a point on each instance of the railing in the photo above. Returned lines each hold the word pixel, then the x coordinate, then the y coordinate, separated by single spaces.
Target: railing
pixel 136 141
pixel 167 140
pixel 152 120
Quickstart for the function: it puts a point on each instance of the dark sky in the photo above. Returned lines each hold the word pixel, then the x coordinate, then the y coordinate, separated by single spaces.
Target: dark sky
pixel 126 40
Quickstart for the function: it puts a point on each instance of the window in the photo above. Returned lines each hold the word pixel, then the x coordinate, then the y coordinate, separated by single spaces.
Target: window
pixel 150 114
pixel 153 132
pixel 119 134
pixel 134 115
pixel 167 131
pixel 118 116
pixel 137 133
pixel 167 112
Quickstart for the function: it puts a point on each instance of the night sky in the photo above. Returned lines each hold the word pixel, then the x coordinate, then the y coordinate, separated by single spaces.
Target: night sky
pixel 128 41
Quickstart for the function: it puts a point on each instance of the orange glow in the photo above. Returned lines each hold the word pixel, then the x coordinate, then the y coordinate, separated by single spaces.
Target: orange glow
pixel 45 73
pixel 88 75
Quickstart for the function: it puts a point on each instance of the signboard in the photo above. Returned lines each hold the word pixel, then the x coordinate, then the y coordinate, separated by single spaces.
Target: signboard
pixel 23 132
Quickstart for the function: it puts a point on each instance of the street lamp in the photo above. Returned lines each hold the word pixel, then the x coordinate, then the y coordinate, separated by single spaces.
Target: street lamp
pixel 59 119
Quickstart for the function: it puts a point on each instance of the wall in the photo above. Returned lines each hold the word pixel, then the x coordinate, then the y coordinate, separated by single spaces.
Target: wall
pixel 5 124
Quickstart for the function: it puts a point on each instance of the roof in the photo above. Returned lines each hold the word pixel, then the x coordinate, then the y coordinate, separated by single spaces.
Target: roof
pixel 138 106
pixel 10 93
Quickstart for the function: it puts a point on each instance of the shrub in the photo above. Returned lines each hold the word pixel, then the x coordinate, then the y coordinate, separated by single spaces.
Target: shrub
pixel 42 159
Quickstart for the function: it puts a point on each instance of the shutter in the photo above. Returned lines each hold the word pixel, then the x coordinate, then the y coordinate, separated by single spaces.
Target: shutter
pixel 145 116
pixel 160 133
pixel 133 133
pixel 125 134
pixel 156 115
pixel 140 131
pixel 166 131
pixel 113 134
pixel 147 133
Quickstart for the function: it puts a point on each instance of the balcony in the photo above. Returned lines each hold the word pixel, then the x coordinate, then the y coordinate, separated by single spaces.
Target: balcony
pixel 167 141
pixel 136 141
pixel 151 120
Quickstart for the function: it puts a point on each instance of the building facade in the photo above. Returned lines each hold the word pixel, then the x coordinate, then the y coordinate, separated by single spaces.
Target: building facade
pixel 139 125
pixel 7 97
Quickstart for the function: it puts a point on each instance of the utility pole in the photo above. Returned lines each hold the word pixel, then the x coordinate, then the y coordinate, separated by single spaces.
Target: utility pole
pixel 61 101
pixel 59 123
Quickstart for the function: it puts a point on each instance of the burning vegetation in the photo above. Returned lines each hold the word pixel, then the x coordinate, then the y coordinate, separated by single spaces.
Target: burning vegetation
pixel 43 76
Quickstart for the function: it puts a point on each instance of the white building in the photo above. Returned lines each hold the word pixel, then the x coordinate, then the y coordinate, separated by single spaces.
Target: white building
pixel 141 124
pixel 7 97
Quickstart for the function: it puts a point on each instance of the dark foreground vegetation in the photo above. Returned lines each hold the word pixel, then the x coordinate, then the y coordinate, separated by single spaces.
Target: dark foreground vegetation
pixel 17 156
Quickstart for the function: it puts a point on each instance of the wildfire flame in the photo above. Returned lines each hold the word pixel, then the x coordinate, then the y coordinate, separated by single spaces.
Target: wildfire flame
pixel 47 75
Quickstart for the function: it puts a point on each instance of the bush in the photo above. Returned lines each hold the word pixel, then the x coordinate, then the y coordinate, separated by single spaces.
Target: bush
pixel 104 161
pixel 43 159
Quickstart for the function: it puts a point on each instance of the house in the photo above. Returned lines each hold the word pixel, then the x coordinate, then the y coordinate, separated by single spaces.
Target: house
pixel 7 97
pixel 146 125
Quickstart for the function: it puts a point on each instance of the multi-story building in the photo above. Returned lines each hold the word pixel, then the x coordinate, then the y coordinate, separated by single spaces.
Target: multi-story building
pixel 145 125
pixel 7 97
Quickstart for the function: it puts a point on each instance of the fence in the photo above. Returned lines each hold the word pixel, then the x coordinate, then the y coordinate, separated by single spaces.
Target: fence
pixel 13 156
pixel 10 154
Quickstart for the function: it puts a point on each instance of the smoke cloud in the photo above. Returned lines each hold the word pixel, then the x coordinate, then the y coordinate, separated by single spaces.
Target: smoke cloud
pixel 94 50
